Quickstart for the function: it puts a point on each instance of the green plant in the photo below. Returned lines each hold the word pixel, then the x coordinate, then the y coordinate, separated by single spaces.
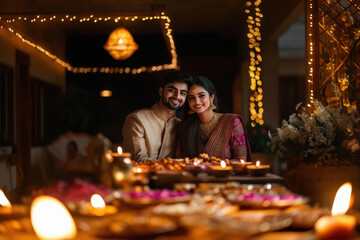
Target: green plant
pixel 258 137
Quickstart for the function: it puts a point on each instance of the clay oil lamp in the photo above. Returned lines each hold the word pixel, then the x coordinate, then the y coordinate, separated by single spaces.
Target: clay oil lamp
pixel 220 170
pixel 257 169
pixel 9 211
pixel 240 168
pixel 96 207
pixel 51 219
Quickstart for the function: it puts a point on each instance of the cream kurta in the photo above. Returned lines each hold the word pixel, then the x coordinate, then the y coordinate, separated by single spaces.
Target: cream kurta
pixel 149 134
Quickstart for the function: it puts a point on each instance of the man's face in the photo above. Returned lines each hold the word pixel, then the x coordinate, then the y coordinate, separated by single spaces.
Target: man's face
pixel 174 95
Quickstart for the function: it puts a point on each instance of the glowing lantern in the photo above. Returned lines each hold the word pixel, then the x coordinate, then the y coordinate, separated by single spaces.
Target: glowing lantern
pixel 120 44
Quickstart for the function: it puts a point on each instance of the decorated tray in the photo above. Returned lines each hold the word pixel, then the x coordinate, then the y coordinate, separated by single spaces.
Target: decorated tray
pixel 247 222
pixel 153 197
pixel 267 200
pixel 131 226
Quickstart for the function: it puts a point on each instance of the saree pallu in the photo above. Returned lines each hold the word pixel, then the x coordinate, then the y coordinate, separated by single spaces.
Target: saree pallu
pixel 229 139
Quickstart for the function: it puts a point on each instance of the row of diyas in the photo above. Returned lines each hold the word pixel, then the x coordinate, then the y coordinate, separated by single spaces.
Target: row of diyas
pixel 51 219
pixel 213 166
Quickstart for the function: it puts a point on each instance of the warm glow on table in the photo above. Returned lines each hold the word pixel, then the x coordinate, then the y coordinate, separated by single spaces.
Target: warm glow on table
pixel 339 225
pixel 51 220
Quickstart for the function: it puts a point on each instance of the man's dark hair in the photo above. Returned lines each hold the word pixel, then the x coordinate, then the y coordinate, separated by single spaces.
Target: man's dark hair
pixel 175 76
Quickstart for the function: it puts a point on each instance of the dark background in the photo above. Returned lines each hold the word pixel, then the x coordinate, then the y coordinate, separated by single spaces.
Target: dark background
pixel 82 109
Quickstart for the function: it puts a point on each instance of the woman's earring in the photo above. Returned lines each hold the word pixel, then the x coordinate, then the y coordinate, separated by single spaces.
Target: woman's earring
pixel 212 105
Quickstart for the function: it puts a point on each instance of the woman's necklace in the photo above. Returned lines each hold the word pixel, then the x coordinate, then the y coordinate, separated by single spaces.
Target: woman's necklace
pixel 207 128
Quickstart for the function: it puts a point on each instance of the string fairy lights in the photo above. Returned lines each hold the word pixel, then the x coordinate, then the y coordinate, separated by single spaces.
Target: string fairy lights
pixel 254 17
pixel 310 57
pixel 7 22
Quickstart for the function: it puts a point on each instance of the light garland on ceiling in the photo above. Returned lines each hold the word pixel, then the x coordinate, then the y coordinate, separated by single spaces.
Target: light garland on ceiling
pixel 254 36
pixel 5 23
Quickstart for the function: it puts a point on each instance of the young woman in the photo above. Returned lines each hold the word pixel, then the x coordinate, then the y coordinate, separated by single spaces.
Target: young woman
pixel 202 130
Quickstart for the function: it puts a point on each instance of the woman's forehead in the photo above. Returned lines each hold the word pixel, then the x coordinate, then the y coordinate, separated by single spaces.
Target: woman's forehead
pixel 197 90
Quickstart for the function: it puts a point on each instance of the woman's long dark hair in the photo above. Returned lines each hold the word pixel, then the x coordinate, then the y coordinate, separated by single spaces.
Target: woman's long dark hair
pixel 191 143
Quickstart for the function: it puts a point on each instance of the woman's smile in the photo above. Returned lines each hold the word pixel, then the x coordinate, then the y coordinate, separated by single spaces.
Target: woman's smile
pixel 198 106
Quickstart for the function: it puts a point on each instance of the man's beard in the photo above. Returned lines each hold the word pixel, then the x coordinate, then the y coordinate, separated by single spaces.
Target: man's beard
pixel 171 106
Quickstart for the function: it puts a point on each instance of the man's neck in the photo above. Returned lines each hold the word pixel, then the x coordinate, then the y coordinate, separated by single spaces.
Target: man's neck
pixel 165 110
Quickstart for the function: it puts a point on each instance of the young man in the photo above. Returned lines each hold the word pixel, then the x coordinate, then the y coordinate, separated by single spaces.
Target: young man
pixel 151 133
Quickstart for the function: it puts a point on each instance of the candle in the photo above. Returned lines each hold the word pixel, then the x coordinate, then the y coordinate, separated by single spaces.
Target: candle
pixel 257 169
pixel 4 202
pixel 141 175
pixel 240 167
pixel 338 225
pixel 220 170
pixel 194 168
pixel 97 207
pixel 122 156
pixel 8 211
pixel 51 219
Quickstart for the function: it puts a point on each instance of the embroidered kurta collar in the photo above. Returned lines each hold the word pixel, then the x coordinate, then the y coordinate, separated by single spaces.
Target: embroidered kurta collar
pixel 159 114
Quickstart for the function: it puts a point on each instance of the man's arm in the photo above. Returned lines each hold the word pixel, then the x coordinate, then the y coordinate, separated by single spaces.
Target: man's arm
pixel 134 138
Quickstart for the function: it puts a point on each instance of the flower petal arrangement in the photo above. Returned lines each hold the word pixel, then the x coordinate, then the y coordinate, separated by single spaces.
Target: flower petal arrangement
pixel 321 136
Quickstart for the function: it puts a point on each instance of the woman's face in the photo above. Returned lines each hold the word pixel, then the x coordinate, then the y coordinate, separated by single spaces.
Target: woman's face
pixel 199 99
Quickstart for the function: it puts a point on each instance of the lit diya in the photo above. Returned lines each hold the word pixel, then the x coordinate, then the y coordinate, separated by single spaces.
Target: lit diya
pixel 141 175
pixel 120 157
pixel 97 207
pixel 51 219
pixel 257 169
pixel 338 225
pixel 240 168
pixel 194 168
pixel 220 170
pixel 8 211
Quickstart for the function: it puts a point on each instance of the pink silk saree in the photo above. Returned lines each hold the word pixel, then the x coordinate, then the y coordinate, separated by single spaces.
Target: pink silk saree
pixel 229 139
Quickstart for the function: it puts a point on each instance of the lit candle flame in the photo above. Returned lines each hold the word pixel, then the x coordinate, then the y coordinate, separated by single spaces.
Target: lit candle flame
pixel 119 150
pixel 138 170
pixel 121 41
pixel 3 200
pixel 223 164
pixel 97 201
pixel 51 219
pixel 342 199
pixel 242 161
pixel 257 163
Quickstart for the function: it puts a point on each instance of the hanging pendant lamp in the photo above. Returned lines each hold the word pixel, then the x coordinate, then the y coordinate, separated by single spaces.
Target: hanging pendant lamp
pixel 120 44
